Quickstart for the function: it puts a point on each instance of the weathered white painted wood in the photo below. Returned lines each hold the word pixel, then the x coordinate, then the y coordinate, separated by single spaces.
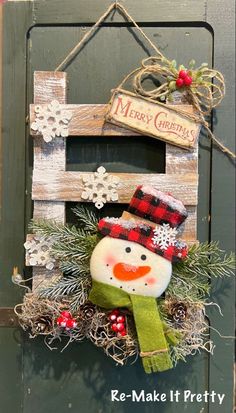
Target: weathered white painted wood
pixel 47 87
pixel 179 161
pixel 89 120
pixel 68 186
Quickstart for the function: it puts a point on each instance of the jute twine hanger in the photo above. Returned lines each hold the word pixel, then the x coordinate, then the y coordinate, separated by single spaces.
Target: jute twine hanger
pixel 203 100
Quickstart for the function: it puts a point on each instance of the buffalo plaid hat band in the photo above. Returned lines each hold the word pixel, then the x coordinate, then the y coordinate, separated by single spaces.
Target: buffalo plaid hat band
pixel 142 234
pixel 157 206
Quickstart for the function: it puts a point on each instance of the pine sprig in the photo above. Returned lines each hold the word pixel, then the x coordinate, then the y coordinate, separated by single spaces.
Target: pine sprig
pixel 65 287
pixel 190 279
pixel 205 260
pixel 75 268
pixel 59 232
pixel 69 242
pixel 78 250
pixel 86 218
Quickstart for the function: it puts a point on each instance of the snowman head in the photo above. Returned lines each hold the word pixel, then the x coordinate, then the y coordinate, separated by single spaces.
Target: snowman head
pixel 136 254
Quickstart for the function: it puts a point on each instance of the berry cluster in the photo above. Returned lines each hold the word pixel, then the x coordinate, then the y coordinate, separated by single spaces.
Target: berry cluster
pixel 117 323
pixel 65 320
pixel 184 79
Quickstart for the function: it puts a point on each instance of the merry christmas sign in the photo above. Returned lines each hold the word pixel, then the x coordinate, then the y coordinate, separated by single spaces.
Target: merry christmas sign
pixel 154 119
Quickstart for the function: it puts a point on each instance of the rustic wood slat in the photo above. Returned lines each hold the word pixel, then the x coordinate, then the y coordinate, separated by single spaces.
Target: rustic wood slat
pixel 68 186
pixel 179 161
pixel 88 120
pixel 44 278
pixel 49 86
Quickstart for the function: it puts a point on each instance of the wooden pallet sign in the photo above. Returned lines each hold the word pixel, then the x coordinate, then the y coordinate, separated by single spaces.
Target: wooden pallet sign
pixel 153 119
pixel 51 121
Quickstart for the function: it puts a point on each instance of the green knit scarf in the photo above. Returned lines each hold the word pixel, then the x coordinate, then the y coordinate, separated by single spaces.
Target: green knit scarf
pixel 154 336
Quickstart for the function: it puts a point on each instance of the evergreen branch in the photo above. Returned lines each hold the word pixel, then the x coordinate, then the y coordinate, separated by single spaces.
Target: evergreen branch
pixel 205 260
pixel 68 286
pixel 79 250
pixel 86 217
pixel 80 296
pixel 187 291
pixel 75 268
pixel 65 286
pixel 59 232
pixel 69 242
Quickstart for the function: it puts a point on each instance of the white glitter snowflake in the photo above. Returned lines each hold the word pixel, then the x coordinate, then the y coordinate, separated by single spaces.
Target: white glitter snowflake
pixel 51 121
pixel 38 252
pixel 100 187
pixel 164 236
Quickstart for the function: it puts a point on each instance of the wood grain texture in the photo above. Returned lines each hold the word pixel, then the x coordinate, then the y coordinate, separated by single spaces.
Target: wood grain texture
pixel 68 186
pixel 43 278
pixel 89 120
pixel 180 161
pixel 49 86
pixel 89 11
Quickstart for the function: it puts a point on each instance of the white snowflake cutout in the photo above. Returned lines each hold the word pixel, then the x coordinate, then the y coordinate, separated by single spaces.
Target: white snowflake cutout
pixel 164 236
pixel 38 251
pixel 100 187
pixel 51 121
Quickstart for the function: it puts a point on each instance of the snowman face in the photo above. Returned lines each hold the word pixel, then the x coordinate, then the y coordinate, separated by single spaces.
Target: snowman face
pixel 130 266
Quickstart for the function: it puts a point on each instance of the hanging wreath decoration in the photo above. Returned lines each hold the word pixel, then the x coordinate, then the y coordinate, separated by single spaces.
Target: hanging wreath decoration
pixel 129 285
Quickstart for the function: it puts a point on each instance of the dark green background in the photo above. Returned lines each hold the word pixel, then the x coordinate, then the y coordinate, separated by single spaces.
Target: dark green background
pixel 37 36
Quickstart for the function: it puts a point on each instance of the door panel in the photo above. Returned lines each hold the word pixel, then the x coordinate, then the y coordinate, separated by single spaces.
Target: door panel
pixel 82 369
pixel 80 378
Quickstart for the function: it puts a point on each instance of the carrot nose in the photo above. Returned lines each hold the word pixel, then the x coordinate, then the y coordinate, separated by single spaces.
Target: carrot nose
pixel 127 272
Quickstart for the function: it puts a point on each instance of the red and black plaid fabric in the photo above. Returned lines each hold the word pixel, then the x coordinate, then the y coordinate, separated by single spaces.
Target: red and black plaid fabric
pixel 142 234
pixel 157 207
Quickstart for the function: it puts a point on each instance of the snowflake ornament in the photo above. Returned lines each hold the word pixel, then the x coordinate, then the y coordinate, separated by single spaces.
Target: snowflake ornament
pixel 38 252
pixel 100 187
pixel 51 121
pixel 165 236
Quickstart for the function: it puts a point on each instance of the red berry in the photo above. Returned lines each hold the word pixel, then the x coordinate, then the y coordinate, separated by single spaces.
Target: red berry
pixel 112 317
pixel 66 314
pixel 183 74
pixel 116 312
pixel 120 326
pixel 61 321
pixel 179 82
pixel 188 80
pixel 71 323
pixel 122 333
pixel 114 327
pixel 120 319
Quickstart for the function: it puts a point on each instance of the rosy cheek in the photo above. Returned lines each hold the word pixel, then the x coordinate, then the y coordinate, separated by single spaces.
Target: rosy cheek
pixel 110 260
pixel 151 280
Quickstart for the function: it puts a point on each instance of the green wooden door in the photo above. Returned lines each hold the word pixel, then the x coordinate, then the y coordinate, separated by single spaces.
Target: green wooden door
pixel 38 35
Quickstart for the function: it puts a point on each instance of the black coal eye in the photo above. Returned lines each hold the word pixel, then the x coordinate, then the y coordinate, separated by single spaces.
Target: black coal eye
pixel 128 249
pixel 143 257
